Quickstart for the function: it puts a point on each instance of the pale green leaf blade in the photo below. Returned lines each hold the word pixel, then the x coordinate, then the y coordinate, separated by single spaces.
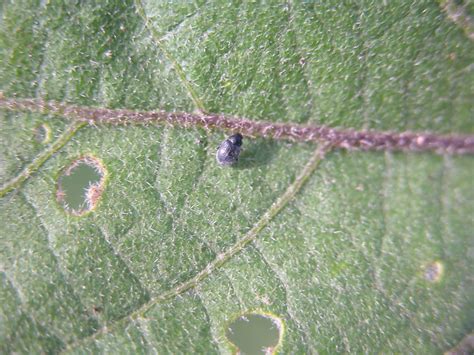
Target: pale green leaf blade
pixel 373 254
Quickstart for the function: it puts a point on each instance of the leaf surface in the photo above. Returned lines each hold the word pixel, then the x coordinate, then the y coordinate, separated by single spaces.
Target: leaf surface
pixel 345 264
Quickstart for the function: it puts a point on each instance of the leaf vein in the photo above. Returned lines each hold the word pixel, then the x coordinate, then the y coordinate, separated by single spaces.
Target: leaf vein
pixel 304 65
pixel 123 261
pixel 282 279
pixel 56 257
pixel 350 139
pixel 222 258
pixel 41 158
pixel 178 68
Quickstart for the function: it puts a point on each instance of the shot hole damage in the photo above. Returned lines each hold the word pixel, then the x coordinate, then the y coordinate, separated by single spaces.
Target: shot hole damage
pixel 81 184
pixel 255 333
pixel 42 133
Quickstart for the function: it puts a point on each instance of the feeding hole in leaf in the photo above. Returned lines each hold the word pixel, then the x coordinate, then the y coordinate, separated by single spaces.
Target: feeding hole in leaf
pixel 81 185
pixel 42 133
pixel 255 333
pixel 434 271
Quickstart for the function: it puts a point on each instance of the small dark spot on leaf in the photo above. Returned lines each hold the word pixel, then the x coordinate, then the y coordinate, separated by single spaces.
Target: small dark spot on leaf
pixel 255 333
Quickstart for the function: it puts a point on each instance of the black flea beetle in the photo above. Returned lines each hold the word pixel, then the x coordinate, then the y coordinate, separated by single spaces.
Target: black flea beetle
pixel 229 150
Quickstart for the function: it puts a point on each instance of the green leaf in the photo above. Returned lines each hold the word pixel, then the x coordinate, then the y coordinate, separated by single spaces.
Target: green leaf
pixel 350 251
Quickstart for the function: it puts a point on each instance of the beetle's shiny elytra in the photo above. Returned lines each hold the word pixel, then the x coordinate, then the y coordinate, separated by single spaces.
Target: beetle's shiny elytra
pixel 229 150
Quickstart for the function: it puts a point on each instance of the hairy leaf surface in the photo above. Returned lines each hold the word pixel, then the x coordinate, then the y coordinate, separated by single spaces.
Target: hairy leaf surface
pixel 373 254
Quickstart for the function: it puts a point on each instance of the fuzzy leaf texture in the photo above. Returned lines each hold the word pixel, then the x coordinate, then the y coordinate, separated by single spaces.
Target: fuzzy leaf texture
pixel 365 252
